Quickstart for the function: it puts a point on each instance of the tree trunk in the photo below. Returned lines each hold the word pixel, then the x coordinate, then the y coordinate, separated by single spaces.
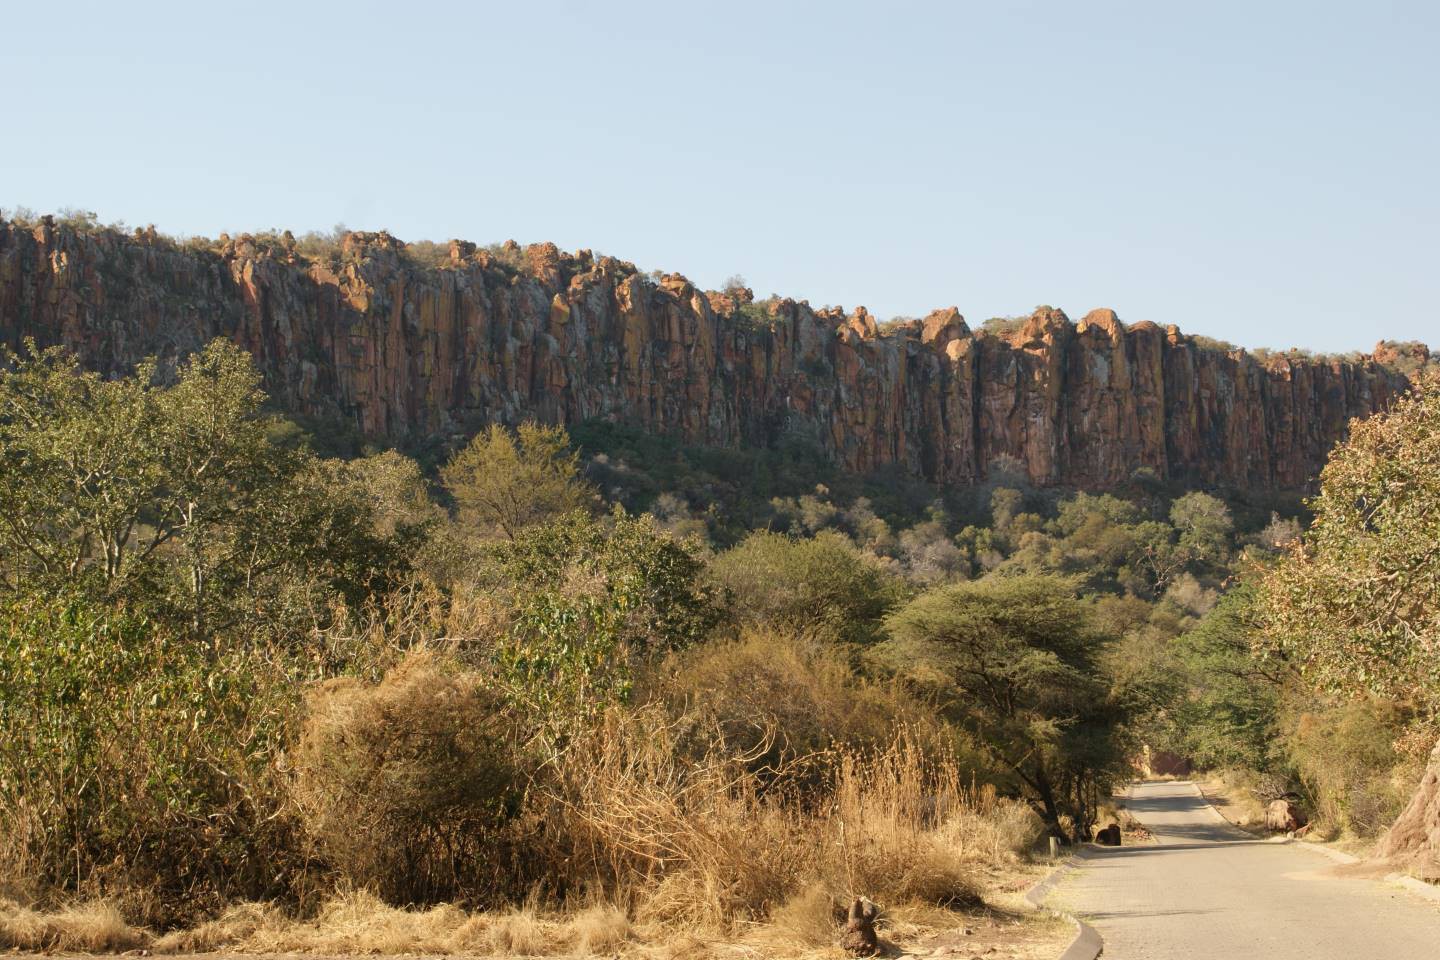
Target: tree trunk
pixel 1049 809
pixel 1413 840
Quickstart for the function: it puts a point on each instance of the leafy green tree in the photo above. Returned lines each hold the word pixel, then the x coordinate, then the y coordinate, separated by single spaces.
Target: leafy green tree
pixel 1228 713
pixel 1196 538
pixel 503 483
pixel 175 495
pixel 1204 526
pixel 819 584
pixel 1019 663
pixel 1355 604
pixel 592 598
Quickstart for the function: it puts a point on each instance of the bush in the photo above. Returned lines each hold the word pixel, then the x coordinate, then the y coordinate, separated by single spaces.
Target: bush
pixel 706 842
pixel 778 697
pixel 821 585
pixel 406 784
pixel 131 762
pixel 590 601
pixel 1345 756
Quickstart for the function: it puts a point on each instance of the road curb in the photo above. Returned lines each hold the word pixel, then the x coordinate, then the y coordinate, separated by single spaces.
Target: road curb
pixel 1415 885
pixel 1088 943
pixel 1338 856
pixel 1412 884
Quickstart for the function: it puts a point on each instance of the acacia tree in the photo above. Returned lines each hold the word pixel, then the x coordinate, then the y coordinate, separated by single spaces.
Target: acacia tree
pixel 1355 604
pixel 1020 664
pixel 504 482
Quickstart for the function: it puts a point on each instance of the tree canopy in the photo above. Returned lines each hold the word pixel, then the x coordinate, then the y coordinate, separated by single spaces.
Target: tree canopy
pixel 1020 663
pixel 503 482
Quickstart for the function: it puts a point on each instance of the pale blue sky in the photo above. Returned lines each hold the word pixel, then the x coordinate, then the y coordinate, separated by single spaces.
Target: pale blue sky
pixel 1261 172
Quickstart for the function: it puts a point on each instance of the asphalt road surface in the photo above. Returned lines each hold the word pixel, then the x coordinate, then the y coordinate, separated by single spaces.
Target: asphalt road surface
pixel 1209 890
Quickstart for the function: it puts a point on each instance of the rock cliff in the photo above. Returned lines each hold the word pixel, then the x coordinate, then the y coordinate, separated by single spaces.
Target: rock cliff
pixel 369 333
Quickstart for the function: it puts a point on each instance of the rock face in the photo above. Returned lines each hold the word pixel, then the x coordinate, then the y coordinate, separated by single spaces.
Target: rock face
pixel 369 334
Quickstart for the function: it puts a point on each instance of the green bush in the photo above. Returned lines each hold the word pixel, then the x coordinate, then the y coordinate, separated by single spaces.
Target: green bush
pixel 130 760
pixel 591 598
pixel 821 585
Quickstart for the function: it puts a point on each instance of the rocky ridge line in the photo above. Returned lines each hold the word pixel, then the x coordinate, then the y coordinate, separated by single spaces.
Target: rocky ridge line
pixel 369 334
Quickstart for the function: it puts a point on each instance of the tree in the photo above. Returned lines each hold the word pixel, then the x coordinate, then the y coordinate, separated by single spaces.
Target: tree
pixel 172 493
pixel 816 584
pixel 1355 604
pixel 1019 663
pixel 1204 525
pixel 1227 715
pixel 504 482
pixel 592 598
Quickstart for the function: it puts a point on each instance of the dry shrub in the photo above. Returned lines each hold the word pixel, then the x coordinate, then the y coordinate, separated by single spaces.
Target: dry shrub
pixel 600 928
pixel 799 690
pixel 685 840
pixel 780 697
pixel 407 784
pixel 709 842
pixel 93 927
pixel 633 825
pixel 1346 758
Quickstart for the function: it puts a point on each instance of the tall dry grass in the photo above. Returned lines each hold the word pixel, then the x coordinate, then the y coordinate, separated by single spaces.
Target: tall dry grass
pixel 710 842
pixel 639 843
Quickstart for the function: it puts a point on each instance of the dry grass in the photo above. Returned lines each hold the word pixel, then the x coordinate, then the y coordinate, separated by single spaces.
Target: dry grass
pixel 359 923
pixel 600 929
pixel 667 848
pixel 649 835
pixel 708 843
pixel 807 919
pixel 92 927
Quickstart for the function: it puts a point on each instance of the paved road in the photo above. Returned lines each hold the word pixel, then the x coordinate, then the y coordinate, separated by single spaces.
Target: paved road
pixel 1208 890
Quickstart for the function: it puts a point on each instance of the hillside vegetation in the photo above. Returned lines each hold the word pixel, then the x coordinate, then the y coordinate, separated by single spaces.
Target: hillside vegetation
pixel 599 688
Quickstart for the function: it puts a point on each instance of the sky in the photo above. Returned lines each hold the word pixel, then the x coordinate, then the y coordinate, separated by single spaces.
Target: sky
pixel 1260 172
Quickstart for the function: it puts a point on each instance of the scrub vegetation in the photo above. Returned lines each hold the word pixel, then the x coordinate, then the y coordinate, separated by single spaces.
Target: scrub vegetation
pixel 588 692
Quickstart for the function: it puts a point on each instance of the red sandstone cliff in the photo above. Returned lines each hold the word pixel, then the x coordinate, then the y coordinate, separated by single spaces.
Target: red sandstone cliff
pixel 368 334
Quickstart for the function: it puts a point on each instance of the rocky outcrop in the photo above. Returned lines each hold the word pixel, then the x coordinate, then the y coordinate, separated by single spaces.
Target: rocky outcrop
pixel 369 333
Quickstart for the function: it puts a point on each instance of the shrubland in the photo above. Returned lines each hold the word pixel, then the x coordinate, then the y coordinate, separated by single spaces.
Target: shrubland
pixel 559 692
